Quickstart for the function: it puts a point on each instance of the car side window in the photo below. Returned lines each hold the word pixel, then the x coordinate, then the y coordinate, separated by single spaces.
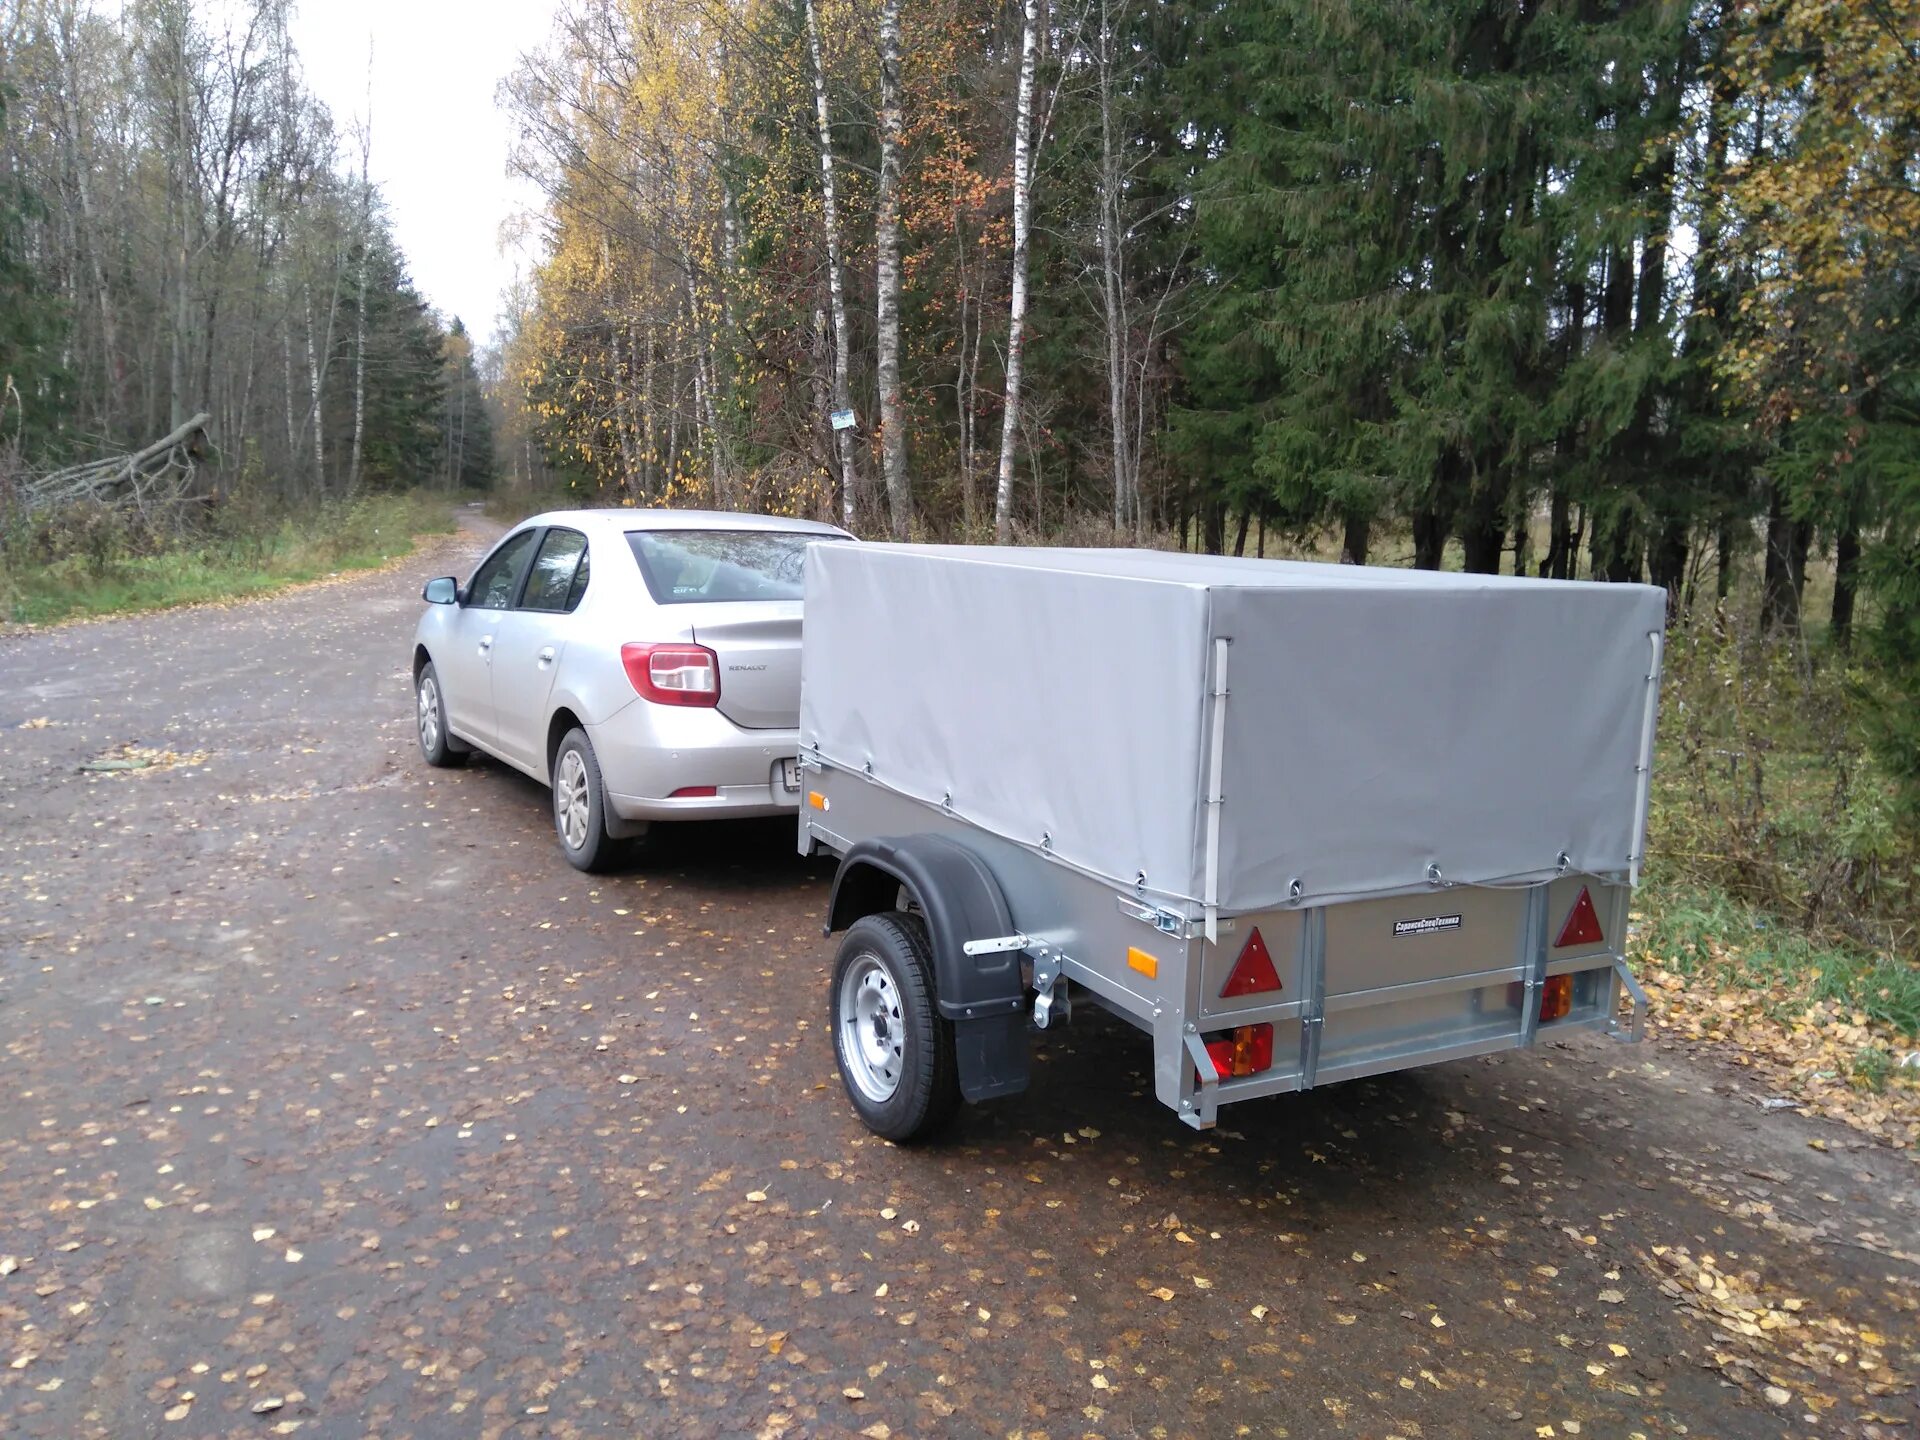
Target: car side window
pixel 580 578
pixel 495 581
pixel 554 584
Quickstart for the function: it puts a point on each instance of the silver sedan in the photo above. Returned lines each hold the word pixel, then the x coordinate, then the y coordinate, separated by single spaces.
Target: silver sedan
pixel 645 664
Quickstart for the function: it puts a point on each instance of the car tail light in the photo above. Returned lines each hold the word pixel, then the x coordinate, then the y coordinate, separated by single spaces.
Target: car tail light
pixel 673 674
pixel 1253 972
pixel 1556 998
pixel 1243 1050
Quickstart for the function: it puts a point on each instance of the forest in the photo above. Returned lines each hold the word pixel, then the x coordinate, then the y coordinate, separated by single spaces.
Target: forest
pixel 187 234
pixel 1615 290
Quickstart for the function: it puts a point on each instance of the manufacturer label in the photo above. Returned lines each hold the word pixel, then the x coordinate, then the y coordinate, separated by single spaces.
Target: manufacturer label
pixel 1431 925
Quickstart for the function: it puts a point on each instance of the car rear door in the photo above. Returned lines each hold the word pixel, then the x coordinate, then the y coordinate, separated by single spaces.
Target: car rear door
pixel 530 642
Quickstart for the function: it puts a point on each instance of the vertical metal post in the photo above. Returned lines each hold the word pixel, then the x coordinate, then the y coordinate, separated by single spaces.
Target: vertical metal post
pixel 1533 954
pixel 1313 990
pixel 1645 771
pixel 1216 795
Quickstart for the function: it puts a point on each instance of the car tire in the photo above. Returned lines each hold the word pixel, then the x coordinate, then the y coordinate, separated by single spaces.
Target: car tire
pixel 437 744
pixel 580 806
pixel 894 1050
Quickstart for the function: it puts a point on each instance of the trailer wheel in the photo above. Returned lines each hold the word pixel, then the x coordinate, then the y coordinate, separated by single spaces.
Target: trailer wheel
pixel 894 1050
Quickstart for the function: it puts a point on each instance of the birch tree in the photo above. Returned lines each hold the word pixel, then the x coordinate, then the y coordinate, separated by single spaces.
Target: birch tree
pixel 1023 152
pixel 893 420
pixel 836 289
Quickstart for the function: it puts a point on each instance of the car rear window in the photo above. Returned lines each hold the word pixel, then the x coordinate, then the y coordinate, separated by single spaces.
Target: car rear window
pixel 690 567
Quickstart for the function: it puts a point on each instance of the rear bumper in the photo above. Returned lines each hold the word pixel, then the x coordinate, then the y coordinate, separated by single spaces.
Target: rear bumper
pixel 647 752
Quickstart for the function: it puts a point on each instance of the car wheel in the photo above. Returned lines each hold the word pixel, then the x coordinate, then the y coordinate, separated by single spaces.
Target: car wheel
pixel 894 1050
pixel 580 805
pixel 430 716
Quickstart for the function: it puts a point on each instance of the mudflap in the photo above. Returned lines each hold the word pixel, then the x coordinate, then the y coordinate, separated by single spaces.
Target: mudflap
pixel 991 1054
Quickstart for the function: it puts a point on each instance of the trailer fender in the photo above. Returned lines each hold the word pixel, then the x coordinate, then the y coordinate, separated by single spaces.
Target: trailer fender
pixel 983 996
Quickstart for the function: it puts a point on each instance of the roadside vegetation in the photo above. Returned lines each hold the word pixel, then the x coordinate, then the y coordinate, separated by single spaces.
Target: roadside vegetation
pixel 1780 915
pixel 96 560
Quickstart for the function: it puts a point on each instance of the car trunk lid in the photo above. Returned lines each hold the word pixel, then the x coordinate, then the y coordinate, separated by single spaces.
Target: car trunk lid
pixel 758 645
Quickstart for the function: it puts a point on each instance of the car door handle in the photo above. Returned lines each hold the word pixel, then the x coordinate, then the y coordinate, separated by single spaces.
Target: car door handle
pixel 546 657
pixel 486 643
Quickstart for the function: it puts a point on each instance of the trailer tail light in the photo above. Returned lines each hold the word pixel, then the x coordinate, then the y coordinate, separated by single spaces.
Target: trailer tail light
pixel 673 674
pixel 1243 1050
pixel 1253 972
pixel 1556 998
pixel 1583 924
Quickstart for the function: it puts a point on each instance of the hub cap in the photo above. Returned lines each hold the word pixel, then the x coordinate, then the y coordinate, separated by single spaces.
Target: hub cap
pixel 570 804
pixel 429 714
pixel 871 1035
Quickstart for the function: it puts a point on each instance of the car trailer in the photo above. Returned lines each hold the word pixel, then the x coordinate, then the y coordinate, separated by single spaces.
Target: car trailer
pixel 1299 823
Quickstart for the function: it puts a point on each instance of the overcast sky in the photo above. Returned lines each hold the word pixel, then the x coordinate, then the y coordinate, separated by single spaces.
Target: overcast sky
pixel 439 145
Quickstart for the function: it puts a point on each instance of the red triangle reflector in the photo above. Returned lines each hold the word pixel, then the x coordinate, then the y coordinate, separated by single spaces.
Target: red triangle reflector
pixel 1583 925
pixel 1253 972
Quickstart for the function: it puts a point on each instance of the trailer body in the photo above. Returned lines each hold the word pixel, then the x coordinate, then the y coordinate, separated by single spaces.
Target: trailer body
pixel 1299 823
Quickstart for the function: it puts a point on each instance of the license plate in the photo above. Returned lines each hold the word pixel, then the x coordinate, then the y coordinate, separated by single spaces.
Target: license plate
pixel 790 775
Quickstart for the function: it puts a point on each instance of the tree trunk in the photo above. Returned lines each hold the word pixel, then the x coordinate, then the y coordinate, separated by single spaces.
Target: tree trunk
pixel 1355 537
pixel 1023 148
pixel 1483 535
pixel 1559 535
pixel 1429 539
pixel 1667 561
pixel 886 244
pixel 836 287
pixel 1846 581
pixel 1112 298
pixel 1788 541
pixel 1214 542
pixel 1240 535
pixel 314 389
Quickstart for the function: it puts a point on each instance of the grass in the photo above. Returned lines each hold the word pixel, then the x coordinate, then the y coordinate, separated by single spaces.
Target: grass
pixel 1704 933
pixel 46 577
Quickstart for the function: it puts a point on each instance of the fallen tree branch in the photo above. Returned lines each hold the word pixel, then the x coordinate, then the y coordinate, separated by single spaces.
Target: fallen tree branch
pixel 161 472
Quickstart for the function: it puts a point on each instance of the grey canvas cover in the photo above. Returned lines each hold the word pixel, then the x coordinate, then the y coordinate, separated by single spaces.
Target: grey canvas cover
pixel 1381 728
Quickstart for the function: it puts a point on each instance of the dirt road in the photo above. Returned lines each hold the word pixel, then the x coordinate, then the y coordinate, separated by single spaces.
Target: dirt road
pixel 334 1100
